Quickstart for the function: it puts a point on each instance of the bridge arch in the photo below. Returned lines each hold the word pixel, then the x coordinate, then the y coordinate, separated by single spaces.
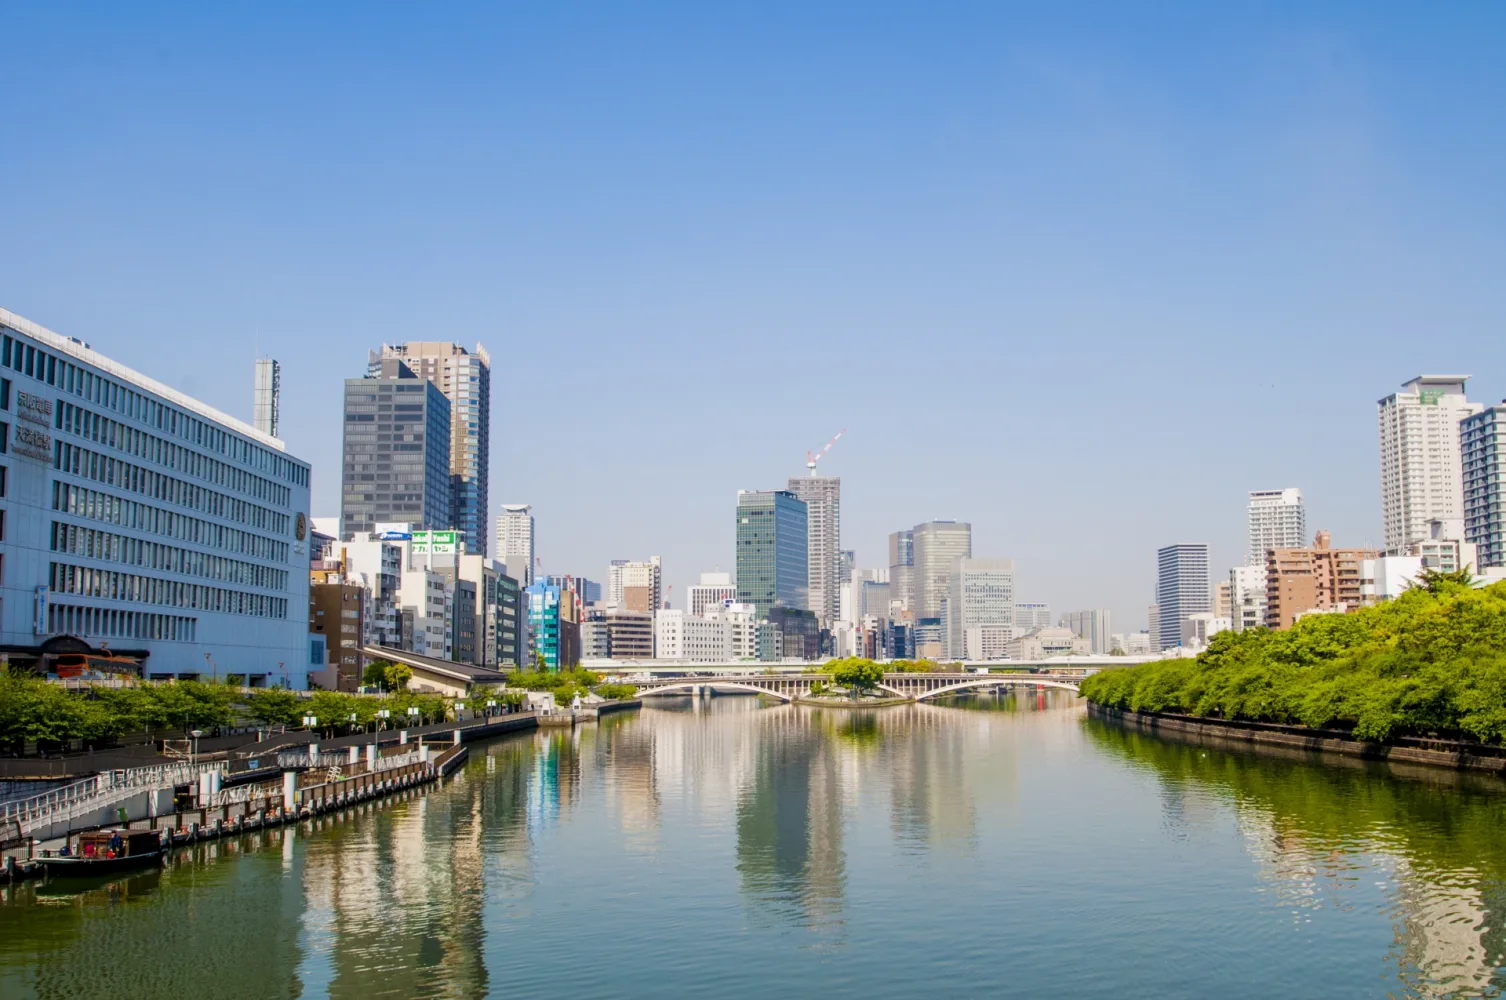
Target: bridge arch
pixel 995 680
pixel 716 683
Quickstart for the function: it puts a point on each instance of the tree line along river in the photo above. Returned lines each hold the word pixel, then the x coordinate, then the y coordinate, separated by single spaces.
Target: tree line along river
pixel 731 847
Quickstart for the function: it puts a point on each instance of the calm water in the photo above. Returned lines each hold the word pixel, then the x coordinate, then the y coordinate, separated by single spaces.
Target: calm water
pixel 729 848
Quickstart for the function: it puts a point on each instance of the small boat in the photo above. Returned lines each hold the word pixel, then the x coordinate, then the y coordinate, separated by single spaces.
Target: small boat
pixel 104 852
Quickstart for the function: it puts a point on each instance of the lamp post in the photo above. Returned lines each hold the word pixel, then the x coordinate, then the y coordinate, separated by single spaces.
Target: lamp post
pixel 382 716
pixel 413 715
pixel 193 757
pixel 491 705
pixel 460 711
pixel 352 721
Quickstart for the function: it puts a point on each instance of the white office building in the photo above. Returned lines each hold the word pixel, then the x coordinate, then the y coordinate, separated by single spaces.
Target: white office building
pixel 714 590
pixel 981 593
pixel 138 519
pixel 823 539
pixel 1421 465
pixel 987 642
pixel 1092 625
pixel 1029 617
pixel 1277 520
pixel 692 638
pixel 515 541
pixel 1198 628
pixel 936 546
pixel 1247 596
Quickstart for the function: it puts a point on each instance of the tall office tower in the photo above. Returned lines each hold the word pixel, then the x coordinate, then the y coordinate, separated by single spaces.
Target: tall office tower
pixel 772 550
pixel 1029 617
pixel 614 582
pixel 902 569
pixel 1421 474
pixel 1093 626
pixel 1181 590
pixel 823 504
pixel 515 540
pixel 936 546
pixel 1153 626
pixel 1482 440
pixel 268 398
pixel 396 452
pixel 711 594
pixel 1277 521
pixel 643 585
pixel 465 378
pixel 980 592
pixel 141 527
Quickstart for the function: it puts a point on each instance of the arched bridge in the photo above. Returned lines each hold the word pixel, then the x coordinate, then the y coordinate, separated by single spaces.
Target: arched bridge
pixel 788 687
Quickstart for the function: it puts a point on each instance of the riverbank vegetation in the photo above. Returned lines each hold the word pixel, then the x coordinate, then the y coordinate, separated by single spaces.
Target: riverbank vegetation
pixel 1431 662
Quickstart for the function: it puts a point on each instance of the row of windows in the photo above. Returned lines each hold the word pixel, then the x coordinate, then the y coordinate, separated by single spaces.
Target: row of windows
pixel 112 623
pixel 61 374
pixel 95 544
pixel 77 420
pixel 110 584
pixel 113 472
pixel 96 506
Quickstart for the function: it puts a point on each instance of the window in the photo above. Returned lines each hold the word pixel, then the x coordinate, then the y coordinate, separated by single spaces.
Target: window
pixel 4 393
pixel 4 438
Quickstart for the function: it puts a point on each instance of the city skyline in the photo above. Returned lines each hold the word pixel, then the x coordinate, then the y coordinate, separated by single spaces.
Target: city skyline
pixel 1017 197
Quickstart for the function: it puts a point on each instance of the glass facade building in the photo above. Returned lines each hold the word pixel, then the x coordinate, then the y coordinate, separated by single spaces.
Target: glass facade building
pixel 396 464
pixel 1482 440
pixel 772 550
pixel 1181 589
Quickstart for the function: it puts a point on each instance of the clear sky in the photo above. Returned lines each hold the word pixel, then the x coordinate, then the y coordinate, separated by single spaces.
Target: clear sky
pixel 1081 274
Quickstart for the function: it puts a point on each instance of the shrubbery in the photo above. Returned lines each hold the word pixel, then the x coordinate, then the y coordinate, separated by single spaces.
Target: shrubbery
pixel 1431 661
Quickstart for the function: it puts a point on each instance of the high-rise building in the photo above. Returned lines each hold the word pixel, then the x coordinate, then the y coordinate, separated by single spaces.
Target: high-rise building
pixel 1029 617
pixel 554 623
pixel 267 402
pixel 1092 625
pixel 1153 626
pixel 515 540
pixel 902 569
pixel 772 550
pixel 136 518
pixel 1421 468
pixel 714 591
pixel 981 592
pixel 1320 578
pixel 823 505
pixel 1482 438
pixel 465 379
pixel 614 582
pixel 396 452
pixel 1277 520
pixel 937 545
pixel 1181 590
pixel 643 585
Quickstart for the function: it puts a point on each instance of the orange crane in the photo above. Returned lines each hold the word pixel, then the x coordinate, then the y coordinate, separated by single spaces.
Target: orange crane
pixel 811 458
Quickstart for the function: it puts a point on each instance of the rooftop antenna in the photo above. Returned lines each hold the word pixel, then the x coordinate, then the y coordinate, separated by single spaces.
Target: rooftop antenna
pixel 811 458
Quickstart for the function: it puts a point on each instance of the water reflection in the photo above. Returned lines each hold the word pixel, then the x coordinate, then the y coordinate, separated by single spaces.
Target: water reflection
pixel 1326 832
pixel 671 850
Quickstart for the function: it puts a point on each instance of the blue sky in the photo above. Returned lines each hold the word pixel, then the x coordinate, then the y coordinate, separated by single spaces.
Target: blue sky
pixel 1080 274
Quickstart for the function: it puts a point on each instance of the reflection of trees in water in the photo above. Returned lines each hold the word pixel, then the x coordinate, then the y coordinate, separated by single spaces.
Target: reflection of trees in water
pixel 1322 832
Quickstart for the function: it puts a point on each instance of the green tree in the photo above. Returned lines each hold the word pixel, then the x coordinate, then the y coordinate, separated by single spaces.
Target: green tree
pixel 375 674
pixel 272 706
pixel 397 675
pixel 856 674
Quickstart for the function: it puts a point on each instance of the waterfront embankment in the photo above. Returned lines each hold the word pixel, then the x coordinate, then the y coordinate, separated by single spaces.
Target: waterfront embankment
pixel 1432 753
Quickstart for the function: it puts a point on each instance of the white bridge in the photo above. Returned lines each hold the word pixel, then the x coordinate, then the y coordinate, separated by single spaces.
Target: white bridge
pixel 788 687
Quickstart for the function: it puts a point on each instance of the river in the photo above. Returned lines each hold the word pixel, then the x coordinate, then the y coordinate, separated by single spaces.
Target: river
pixel 996 845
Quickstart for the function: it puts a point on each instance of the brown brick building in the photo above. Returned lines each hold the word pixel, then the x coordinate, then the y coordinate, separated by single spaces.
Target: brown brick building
pixel 336 611
pixel 1320 578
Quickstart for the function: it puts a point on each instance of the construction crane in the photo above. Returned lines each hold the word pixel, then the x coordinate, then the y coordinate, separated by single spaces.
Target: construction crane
pixel 811 458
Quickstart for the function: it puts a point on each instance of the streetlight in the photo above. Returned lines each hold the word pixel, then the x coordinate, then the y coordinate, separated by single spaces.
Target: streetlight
pixel 352 720
pixel 382 716
pixel 491 704
pixel 460 711
pixel 193 757
pixel 412 715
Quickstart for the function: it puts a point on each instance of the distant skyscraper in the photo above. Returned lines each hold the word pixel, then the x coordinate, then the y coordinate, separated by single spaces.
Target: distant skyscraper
pixel 937 546
pixel 1277 520
pixel 268 399
pixel 1182 589
pixel 1093 626
pixel 980 593
pixel 902 569
pixel 1247 597
pixel 642 585
pixel 515 540
pixel 396 451
pixel 1483 445
pixel 772 550
pixel 465 378
pixel 1421 473
pixel 823 504
pixel 1029 617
